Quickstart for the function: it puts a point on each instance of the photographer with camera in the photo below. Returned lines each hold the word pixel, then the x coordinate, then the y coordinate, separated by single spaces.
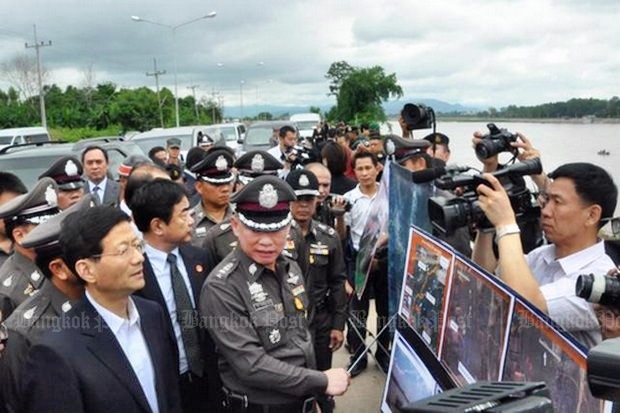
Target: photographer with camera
pixel 577 200
pixel 285 150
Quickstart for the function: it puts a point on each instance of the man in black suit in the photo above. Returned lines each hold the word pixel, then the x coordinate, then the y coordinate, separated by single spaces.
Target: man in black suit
pixel 174 273
pixel 95 161
pixel 111 352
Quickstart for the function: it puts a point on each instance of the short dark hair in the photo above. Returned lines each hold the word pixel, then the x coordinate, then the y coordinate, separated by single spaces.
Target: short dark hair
pixel 593 185
pixel 94 148
pixel 362 155
pixel 140 175
pixel 83 231
pixel 286 129
pixel 11 183
pixel 154 150
pixel 46 255
pixel 155 199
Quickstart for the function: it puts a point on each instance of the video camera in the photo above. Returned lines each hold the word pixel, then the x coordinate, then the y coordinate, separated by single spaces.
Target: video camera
pixel 299 155
pixel 449 212
pixel 496 141
pixel 418 116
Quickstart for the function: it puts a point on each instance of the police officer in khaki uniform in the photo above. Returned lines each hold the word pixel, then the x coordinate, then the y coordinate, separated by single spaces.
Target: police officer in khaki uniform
pixel 43 310
pixel 255 307
pixel 220 240
pixel 318 251
pixel 214 183
pixel 67 172
pixel 19 276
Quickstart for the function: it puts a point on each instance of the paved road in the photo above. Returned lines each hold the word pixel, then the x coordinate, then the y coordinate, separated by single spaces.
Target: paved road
pixel 366 390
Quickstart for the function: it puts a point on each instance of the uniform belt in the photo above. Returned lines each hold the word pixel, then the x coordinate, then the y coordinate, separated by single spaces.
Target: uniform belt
pixel 239 403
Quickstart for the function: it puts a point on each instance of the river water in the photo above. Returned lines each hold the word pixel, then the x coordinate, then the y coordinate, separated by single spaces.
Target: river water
pixel 559 143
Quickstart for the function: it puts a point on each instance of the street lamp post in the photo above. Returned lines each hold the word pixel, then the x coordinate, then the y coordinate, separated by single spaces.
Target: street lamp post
pixel 174 50
pixel 241 99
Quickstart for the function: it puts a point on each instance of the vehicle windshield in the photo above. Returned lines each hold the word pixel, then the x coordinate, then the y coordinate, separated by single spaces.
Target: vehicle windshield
pixel 260 135
pixel 306 124
pixel 147 143
pixel 28 169
pixel 228 133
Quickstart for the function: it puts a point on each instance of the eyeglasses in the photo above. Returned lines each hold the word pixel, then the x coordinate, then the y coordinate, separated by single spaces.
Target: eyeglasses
pixel 123 250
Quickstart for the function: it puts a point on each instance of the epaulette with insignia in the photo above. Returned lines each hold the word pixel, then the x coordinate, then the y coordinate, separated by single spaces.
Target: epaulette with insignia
pixel 225 268
pixel 27 314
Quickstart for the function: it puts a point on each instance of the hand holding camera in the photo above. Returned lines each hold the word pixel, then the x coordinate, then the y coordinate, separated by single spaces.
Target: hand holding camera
pixel 337 205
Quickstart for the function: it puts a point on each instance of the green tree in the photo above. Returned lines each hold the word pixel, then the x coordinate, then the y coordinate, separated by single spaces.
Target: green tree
pixel 337 73
pixel 362 93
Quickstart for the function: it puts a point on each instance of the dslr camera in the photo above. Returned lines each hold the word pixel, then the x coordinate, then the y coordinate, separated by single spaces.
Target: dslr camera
pixel 449 212
pixel 599 289
pixel 418 116
pixel 496 141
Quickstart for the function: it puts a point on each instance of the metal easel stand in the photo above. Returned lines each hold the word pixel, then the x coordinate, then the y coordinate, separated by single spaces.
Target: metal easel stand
pixel 375 339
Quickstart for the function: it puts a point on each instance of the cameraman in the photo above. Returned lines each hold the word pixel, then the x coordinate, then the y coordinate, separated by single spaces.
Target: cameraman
pixel 285 150
pixel 578 198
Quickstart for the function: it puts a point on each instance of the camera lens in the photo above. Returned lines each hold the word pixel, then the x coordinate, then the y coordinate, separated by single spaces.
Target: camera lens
pixel 599 289
pixel 488 148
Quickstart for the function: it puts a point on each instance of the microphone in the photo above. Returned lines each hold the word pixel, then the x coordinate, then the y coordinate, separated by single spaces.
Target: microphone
pixel 430 174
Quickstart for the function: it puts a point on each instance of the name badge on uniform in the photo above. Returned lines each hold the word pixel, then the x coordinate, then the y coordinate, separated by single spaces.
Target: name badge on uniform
pixel 256 292
pixel 319 249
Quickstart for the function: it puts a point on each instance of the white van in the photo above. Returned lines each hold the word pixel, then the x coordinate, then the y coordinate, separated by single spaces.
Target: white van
pixel 306 123
pixel 16 136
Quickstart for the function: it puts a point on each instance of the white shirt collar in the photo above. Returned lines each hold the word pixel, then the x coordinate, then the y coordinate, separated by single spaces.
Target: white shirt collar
pixel 101 185
pixel 112 320
pixel 575 262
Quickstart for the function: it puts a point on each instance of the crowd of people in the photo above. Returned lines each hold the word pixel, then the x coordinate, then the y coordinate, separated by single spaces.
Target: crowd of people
pixel 217 283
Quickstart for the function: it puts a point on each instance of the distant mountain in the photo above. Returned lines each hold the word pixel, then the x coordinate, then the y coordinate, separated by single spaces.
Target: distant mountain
pixel 392 108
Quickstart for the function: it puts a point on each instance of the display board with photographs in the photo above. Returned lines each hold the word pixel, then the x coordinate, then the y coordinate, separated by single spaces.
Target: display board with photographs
pixel 428 272
pixel 477 317
pixel 536 352
pixel 474 327
pixel 408 378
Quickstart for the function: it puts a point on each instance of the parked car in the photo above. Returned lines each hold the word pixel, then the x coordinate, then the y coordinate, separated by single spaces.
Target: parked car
pixel 28 161
pixel 229 134
pixel 158 137
pixel 259 135
pixel 18 136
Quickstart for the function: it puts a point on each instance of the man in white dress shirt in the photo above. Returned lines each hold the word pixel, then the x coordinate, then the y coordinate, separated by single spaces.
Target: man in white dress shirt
pixel 577 201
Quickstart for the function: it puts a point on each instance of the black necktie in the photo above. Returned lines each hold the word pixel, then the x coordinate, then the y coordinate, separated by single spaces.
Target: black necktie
pixel 98 195
pixel 187 317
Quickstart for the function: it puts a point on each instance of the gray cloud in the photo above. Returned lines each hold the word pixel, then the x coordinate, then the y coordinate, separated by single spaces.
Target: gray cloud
pixel 487 52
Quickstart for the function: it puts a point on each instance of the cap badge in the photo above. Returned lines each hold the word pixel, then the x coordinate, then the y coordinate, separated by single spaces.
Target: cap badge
pixel 221 163
pixel 303 180
pixel 50 196
pixel 71 168
pixel 258 163
pixel 437 139
pixel 389 147
pixel 268 197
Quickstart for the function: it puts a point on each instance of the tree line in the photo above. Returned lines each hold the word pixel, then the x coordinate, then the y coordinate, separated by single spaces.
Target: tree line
pixel 104 107
pixel 573 108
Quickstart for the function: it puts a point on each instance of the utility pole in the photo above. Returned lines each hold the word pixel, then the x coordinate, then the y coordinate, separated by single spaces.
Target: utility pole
pixel 156 73
pixel 37 45
pixel 214 103
pixel 193 88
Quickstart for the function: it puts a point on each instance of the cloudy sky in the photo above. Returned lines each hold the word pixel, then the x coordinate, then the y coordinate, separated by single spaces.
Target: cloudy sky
pixel 473 52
